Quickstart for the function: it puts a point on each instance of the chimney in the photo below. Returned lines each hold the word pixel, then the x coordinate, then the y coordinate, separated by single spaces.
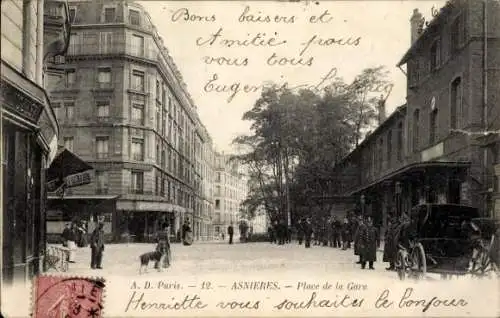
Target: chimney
pixel 381 110
pixel 417 23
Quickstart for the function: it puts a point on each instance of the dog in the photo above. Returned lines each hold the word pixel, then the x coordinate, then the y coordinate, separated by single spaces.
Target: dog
pixel 147 257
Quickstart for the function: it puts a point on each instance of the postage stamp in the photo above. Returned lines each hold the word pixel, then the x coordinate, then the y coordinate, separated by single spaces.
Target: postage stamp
pixel 68 297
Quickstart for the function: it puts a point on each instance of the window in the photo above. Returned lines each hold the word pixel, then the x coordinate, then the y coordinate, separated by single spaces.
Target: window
pixel 456 103
pixel 74 43
pixel 101 178
pixel 137 45
pixel 433 126
pixel 416 129
pixel 137 182
pixel 137 80
pixel 400 142
pixel 68 143
pixel 104 77
pixel 163 159
pixel 138 114
pixel 70 109
pixel 102 109
pixel 389 148
pixel 134 17
pixel 158 118
pixel 72 14
pixel 457 33
pixel 105 42
pixel 380 154
pixel 163 122
pixel 102 147
pixel 109 15
pixel 137 149
pixel 435 55
pixel 70 78
pixel 157 90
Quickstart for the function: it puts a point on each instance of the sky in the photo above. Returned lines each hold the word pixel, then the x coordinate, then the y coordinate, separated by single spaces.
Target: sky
pixel 203 37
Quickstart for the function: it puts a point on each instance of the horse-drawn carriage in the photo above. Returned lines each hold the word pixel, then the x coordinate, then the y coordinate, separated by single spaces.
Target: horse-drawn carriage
pixel 447 239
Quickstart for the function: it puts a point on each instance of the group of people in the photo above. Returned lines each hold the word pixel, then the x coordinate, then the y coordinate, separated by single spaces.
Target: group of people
pixel 75 235
pixel 356 231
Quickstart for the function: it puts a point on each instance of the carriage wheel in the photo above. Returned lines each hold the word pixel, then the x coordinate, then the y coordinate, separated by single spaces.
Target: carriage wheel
pixel 482 264
pixel 418 264
pixel 401 264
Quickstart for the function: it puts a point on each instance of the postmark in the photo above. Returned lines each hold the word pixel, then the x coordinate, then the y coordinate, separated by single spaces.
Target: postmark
pixel 68 297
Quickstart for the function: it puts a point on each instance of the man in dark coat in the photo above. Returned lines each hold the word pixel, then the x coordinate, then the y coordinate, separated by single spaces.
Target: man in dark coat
pixel 270 232
pixel 230 232
pixel 368 242
pixel 97 246
pixel 390 247
pixel 308 231
pixel 300 231
pixel 336 231
pixel 346 234
pixel 360 227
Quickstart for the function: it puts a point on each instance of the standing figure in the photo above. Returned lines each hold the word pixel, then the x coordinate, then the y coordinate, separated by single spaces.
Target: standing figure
pixel 230 232
pixel 390 247
pixel 360 227
pixel 187 234
pixel 368 242
pixel 346 234
pixel 308 231
pixel 163 246
pixel 337 229
pixel 97 246
pixel 69 238
pixel 270 232
pixel 300 232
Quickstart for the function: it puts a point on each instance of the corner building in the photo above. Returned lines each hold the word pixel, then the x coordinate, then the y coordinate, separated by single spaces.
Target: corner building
pixel 124 109
pixel 32 33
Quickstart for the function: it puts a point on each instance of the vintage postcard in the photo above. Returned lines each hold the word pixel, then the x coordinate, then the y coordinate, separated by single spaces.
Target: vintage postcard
pixel 250 158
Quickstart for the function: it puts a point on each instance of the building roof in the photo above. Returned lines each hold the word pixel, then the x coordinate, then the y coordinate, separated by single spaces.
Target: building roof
pixel 398 111
pixel 434 24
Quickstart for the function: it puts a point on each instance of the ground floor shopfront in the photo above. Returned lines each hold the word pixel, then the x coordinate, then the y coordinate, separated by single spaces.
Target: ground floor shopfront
pixel 428 182
pixel 29 142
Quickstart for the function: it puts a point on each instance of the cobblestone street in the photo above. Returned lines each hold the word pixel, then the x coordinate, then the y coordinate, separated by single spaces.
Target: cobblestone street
pixel 218 257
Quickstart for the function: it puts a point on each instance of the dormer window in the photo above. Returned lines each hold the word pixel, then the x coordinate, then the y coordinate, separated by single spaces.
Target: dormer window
pixel 435 55
pixel 134 17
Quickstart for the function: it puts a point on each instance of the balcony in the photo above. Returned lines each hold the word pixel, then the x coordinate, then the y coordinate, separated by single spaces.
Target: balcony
pixel 101 191
pixel 117 48
pixel 57 27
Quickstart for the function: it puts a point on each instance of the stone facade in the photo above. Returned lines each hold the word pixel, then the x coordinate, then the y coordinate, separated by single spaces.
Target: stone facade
pixel 124 108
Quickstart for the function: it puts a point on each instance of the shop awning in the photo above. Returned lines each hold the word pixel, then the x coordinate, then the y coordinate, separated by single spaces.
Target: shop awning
pixel 83 197
pixel 413 168
pixel 67 169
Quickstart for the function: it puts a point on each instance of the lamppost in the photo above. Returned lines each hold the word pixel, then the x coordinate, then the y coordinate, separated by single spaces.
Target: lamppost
pixel 398 197
pixel 363 205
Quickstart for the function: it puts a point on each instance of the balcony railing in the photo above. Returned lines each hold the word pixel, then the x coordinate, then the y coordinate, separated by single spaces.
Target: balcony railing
pixel 138 157
pixel 101 191
pixel 102 155
pixel 113 48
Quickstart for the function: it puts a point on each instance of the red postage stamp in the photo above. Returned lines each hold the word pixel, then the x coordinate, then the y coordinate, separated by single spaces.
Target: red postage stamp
pixel 68 297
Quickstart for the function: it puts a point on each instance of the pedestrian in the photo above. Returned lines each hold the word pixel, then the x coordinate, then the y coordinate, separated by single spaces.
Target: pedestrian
pixel 69 241
pixel 230 232
pixel 390 244
pixel 163 246
pixel 308 231
pixel 282 228
pixel 300 231
pixel 368 242
pixel 346 234
pixel 336 229
pixel 97 246
pixel 187 233
pixel 359 229
pixel 270 233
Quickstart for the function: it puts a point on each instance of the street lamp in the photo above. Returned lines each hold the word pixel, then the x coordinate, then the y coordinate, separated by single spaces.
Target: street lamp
pixel 398 197
pixel 363 205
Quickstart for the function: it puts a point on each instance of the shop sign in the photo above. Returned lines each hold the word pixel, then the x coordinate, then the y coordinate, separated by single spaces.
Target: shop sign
pixel 433 152
pixel 77 179
pixel 464 192
pixel 19 103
